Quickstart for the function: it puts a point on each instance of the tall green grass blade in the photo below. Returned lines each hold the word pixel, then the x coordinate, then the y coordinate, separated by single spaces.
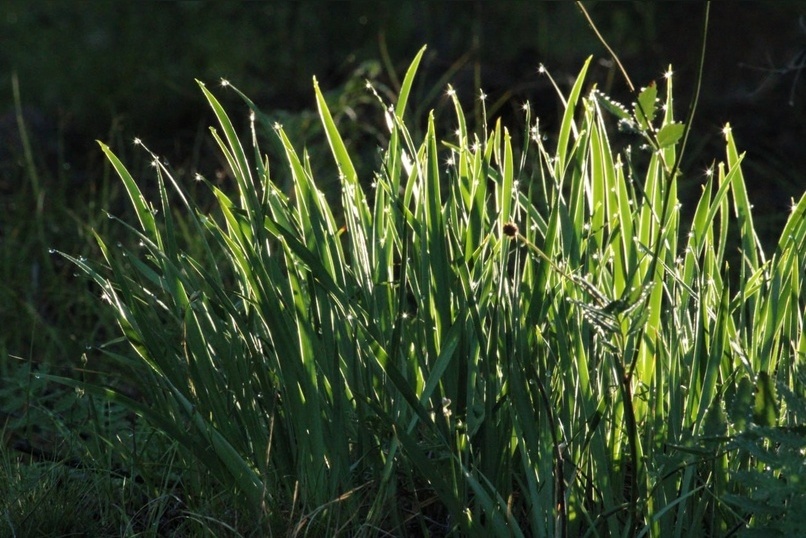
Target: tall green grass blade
pixel 751 248
pixel 567 124
pixel 408 80
pixel 233 151
pixel 144 213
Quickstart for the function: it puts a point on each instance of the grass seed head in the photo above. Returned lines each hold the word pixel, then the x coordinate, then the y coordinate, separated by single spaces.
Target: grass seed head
pixel 510 229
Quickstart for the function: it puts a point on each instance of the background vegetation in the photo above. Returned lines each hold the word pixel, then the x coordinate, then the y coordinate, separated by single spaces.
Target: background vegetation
pixel 116 71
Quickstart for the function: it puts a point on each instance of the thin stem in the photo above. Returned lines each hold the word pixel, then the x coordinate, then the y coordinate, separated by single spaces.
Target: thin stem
pixel 604 43
pixel 693 107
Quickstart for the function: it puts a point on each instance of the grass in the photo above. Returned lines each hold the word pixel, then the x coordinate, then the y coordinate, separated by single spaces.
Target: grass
pixel 481 339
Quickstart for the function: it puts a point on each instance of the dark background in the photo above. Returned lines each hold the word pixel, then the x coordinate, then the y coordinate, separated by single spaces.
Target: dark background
pixel 115 70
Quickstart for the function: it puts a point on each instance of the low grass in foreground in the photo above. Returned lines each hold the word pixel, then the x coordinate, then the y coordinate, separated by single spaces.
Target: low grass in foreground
pixel 482 340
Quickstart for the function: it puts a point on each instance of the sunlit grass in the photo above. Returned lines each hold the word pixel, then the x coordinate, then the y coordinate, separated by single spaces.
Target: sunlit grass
pixel 482 339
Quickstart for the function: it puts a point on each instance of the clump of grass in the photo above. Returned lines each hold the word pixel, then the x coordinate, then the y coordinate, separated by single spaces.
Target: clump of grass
pixel 482 339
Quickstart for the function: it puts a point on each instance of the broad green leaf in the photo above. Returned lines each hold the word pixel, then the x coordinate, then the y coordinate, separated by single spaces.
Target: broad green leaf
pixel 645 107
pixel 669 134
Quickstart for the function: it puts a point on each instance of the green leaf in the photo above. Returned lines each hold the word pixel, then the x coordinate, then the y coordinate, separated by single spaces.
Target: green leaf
pixel 741 405
pixel 765 409
pixel 612 106
pixel 646 106
pixel 715 423
pixel 670 134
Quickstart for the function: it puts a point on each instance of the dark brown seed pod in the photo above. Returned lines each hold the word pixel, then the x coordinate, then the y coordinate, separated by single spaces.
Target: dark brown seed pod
pixel 510 229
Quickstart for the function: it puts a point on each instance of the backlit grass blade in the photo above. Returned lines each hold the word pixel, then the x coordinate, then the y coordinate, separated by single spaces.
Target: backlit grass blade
pixel 408 80
pixel 794 230
pixel 567 124
pixel 506 191
pixel 144 213
pixel 355 205
pixel 751 247
pixel 233 151
pixel 319 224
pixel 336 143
